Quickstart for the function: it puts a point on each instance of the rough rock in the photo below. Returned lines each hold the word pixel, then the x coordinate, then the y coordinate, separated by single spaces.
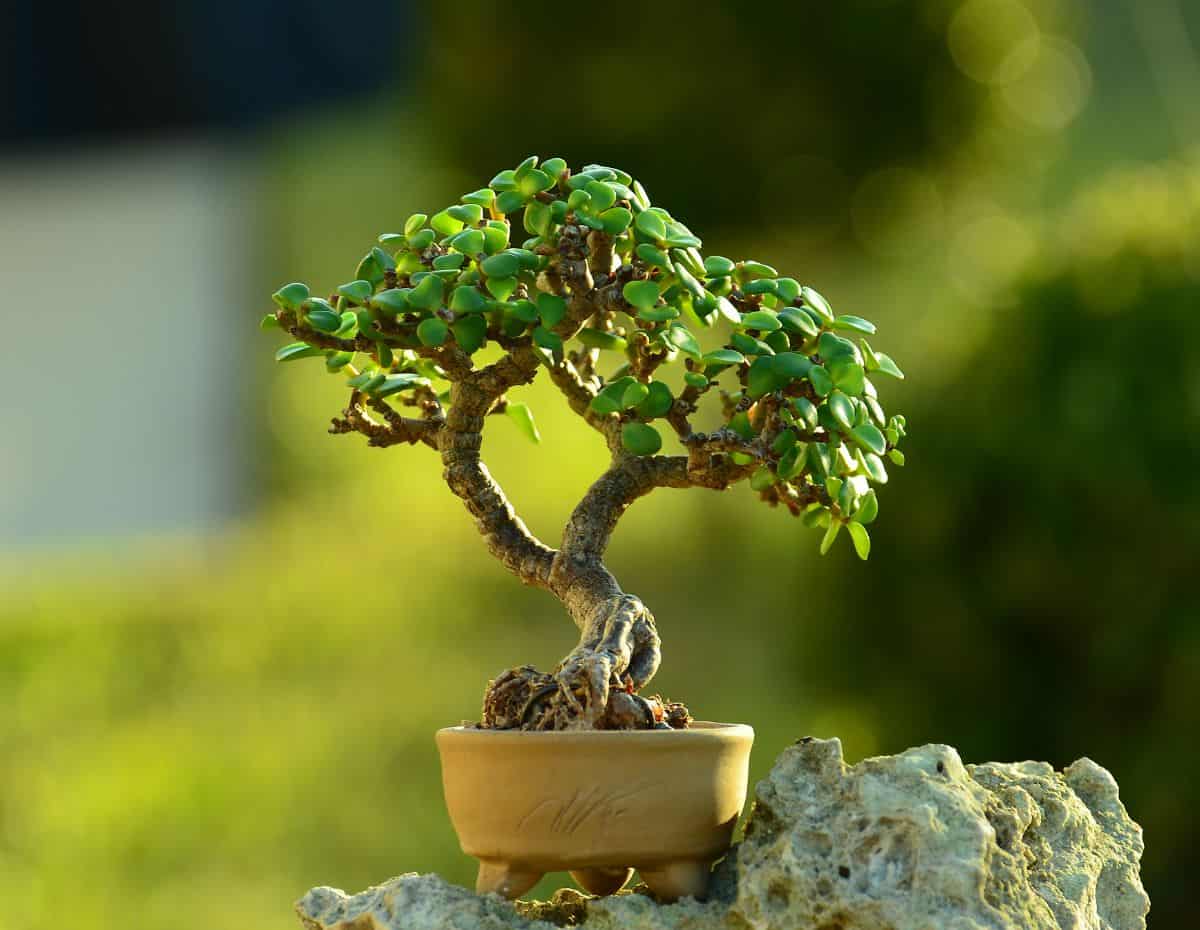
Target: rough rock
pixel 916 841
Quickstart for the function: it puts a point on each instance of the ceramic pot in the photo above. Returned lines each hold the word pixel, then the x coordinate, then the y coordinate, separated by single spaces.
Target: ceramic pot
pixel 596 803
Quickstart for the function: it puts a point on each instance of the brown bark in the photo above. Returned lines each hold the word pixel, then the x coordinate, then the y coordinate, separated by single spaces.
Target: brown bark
pixel 619 648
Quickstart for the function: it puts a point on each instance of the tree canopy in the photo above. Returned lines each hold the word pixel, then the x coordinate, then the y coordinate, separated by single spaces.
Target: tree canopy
pixel 641 331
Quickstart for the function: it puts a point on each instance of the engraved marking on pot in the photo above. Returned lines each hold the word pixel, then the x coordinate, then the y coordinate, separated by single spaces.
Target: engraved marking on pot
pixel 582 805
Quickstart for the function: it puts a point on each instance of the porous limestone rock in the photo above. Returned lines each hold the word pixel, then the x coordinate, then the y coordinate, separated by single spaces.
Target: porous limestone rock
pixel 919 841
pixel 916 841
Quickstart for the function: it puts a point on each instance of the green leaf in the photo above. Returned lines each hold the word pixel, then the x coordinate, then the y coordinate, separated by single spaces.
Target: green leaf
pixel 537 218
pixel 451 261
pixel 874 467
pixel 604 404
pixel 651 226
pixel 718 266
pixel 763 320
pixel 470 332
pixel 484 197
pixel 394 384
pixel 501 265
pixel 421 240
pixel 641 294
pixel 695 379
pixel 763 378
pixel 466 213
pixel 533 181
pixel 495 238
pixel 847 374
pixel 762 478
pixel 270 321
pixel 578 199
pixel 602 195
pixel 391 301
pixel 469 241
pixel 868 508
pixel 820 380
pixel 548 340
pixel 653 255
pixel 501 288
pixel 295 350
pixel 831 346
pixel 817 302
pixel 658 314
pixel 750 270
pixel 554 167
pixel 616 220
pixel 759 286
pixel 433 331
pixel 445 223
pixel 792 365
pixel 896 456
pixel 291 296
pixel 359 291
pixel 857 323
pixel 830 535
pixel 600 339
pixel 868 436
pixel 467 299
pixel 791 463
pixel 861 539
pixel 748 345
pixel 842 409
pixel 681 337
pixel 784 441
pixel 551 309
pixel 634 394
pixel 504 181
pixel 325 321
pixel 640 438
pixel 522 416
pixel 720 358
pixel 787 289
pixel 509 201
pixel 797 321
pixel 657 401
pixel 428 294
pixel 525 311
pixel 414 224
pixel 336 361
pixel 888 367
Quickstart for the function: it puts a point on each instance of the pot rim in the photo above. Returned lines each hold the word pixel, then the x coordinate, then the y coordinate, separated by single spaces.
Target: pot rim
pixel 699 731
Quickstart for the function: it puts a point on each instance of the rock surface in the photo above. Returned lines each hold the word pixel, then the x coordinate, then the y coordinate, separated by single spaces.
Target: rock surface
pixel 916 841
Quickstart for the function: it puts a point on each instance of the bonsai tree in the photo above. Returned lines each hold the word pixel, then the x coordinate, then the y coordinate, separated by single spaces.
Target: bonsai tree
pixel 611 297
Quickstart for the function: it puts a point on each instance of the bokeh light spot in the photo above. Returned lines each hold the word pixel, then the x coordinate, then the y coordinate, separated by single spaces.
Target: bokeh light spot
pixel 1054 89
pixel 993 42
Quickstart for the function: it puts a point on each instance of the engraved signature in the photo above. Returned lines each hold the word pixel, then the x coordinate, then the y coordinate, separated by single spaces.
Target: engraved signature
pixel 584 804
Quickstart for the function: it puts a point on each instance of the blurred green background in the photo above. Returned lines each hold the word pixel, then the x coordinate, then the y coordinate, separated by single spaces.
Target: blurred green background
pixel 197 724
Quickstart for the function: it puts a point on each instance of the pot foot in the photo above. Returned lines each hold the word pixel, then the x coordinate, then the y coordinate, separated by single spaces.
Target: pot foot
pixel 601 881
pixel 506 880
pixel 678 880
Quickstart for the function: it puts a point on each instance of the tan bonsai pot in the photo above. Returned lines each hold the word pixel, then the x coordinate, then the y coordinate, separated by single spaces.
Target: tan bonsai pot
pixel 598 803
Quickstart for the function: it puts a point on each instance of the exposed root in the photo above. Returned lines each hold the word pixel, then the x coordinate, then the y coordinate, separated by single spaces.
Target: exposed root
pixel 595 687
pixel 525 699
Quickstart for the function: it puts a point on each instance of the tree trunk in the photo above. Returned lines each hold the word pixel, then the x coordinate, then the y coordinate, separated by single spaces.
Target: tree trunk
pixel 595 685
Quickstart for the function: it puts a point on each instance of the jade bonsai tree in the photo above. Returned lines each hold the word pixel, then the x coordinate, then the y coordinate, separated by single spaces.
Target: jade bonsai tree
pixel 577 274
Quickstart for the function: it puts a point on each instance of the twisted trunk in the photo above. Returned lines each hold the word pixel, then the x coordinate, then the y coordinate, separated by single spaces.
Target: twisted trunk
pixel 619 649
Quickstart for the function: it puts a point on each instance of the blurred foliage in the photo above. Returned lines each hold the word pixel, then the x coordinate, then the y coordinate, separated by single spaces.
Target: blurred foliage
pixel 1033 588
pixel 747 104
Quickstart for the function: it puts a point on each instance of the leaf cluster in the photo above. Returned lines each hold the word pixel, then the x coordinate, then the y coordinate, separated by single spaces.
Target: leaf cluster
pixel 583 269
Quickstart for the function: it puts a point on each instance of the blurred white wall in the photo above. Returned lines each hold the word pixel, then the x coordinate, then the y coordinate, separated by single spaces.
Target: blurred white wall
pixel 124 306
